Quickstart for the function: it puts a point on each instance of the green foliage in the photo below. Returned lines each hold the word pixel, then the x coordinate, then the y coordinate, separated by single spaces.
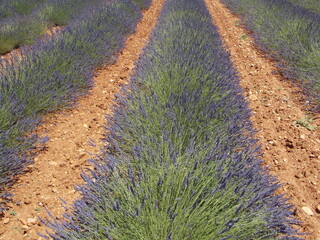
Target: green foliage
pixel 311 5
pixel 8 42
pixel 141 3
pixel 306 122
pixel 55 15
pixel 19 33
pixel 24 7
pixel 244 37
pixel 25 21
pixel 13 213
pixel 4 12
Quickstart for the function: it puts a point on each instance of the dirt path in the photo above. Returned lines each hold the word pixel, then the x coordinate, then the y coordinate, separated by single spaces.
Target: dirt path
pixel 57 169
pixel 291 150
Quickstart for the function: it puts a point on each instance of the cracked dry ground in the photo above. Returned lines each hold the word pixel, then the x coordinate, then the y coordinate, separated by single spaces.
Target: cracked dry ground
pixel 58 167
pixel 291 151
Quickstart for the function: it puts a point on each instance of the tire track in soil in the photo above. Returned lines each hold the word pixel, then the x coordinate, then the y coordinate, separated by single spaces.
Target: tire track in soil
pixel 57 168
pixel 291 152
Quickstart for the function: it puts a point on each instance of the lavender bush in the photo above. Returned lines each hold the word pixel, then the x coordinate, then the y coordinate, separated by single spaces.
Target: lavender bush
pixel 291 34
pixel 180 161
pixel 52 73
pixel 311 5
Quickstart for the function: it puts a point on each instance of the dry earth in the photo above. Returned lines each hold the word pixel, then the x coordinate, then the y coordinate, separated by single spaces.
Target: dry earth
pixel 291 151
pixel 57 168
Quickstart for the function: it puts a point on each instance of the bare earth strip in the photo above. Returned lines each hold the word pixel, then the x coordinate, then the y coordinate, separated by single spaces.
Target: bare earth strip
pixel 57 169
pixel 290 150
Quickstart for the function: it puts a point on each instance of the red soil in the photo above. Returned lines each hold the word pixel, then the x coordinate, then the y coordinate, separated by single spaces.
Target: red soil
pixel 57 168
pixel 291 151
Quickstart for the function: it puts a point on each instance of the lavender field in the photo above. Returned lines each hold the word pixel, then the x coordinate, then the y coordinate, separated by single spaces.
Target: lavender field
pixel 180 158
pixel 52 74
pixel 180 161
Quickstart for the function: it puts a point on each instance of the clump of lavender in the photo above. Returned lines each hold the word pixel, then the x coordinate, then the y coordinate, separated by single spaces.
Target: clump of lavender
pixel 53 73
pixel 313 6
pixel 181 161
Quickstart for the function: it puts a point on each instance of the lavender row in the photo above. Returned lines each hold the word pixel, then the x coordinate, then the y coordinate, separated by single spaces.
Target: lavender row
pixel 22 22
pixel 180 161
pixel 52 73
pixel 311 5
pixel 289 33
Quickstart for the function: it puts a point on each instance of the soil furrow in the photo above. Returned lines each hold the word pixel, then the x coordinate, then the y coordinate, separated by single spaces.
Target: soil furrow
pixel 58 167
pixel 290 150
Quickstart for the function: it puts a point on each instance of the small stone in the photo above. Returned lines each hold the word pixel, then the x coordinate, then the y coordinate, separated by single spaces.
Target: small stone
pixel 54 190
pixel 86 125
pixel 81 150
pixel 253 97
pixel 302 136
pixel 273 143
pixel 71 192
pixel 62 165
pixel 53 163
pixel 6 220
pixel 308 211
pixel 298 176
pixel 318 209
pixel 25 227
pixel 31 221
